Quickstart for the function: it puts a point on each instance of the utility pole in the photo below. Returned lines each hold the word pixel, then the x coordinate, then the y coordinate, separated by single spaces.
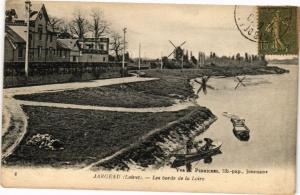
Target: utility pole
pixel 28 9
pixel 139 56
pixel 182 59
pixel 124 45
pixel 161 62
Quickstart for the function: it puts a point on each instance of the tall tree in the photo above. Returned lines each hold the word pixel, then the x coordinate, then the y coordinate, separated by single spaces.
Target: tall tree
pixel 99 25
pixel 56 23
pixel 79 26
pixel 116 45
pixel 10 15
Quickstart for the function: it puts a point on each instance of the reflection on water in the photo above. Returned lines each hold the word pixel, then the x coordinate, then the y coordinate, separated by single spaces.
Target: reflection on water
pixel 268 103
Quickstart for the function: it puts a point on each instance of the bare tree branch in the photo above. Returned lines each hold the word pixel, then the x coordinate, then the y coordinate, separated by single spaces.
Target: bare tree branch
pixel 55 22
pixel 116 44
pixel 79 26
pixel 99 25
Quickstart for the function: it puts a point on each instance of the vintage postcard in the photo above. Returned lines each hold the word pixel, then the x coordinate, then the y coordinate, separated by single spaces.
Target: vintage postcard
pixel 152 97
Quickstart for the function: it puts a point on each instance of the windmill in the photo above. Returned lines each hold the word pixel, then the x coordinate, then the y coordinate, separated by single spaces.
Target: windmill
pixel 240 82
pixel 203 84
pixel 177 51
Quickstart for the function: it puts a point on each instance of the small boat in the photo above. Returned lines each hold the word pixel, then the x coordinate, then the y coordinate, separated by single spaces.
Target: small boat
pixel 183 159
pixel 240 130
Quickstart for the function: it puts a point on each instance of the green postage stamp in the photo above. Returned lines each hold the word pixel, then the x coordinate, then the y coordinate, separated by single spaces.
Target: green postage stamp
pixel 277 28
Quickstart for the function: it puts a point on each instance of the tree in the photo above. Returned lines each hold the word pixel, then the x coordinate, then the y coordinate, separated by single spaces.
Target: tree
pixel 116 45
pixel 238 56
pixel 60 26
pixel 194 60
pixel 99 25
pixel 10 15
pixel 246 57
pixel 79 26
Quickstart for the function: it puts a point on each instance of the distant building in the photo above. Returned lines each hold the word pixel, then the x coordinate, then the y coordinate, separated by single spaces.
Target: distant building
pixel 94 50
pixel 45 46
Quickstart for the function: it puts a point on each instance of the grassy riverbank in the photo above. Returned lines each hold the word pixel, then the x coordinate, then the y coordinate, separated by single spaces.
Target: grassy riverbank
pixel 86 135
pixel 156 93
pixel 215 71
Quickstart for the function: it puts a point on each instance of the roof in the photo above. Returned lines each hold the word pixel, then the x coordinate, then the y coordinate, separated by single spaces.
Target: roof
pixel 92 39
pixel 70 44
pixel 17 34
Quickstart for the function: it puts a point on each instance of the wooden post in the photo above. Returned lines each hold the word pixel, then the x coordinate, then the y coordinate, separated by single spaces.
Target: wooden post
pixel 182 59
pixel 161 62
pixel 28 6
pixel 139 56
pixel 123 57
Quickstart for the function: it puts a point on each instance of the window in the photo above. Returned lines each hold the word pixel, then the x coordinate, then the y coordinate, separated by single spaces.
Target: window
pixel 74 59
pixel 51 37
pixel 104 59
pixel 31 54
pixel 20 51
pixel 60 53
pixel 39 51
pixel 101 47
pixel 40 31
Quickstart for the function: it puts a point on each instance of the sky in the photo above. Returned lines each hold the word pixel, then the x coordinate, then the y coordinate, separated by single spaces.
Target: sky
pixel 204 28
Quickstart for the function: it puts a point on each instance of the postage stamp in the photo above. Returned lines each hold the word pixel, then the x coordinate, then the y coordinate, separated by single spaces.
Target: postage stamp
pixel 277 30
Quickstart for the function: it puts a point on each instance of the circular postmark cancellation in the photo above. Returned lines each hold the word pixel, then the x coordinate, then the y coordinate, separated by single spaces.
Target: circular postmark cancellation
pixel 245 18
pixel 254 22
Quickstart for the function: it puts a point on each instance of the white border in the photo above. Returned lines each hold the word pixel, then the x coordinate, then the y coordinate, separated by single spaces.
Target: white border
pixel 12 191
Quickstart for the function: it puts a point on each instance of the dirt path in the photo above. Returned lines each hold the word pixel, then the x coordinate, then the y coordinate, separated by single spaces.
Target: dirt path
pixel 71 86
pixel 14 129
pixel 16 120
pixel 176 107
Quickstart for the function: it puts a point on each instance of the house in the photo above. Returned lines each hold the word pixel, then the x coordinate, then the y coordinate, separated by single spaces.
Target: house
pixel 94 49
pixel 45 46
pixel 42 39
pixel 14 43
pixel 68 50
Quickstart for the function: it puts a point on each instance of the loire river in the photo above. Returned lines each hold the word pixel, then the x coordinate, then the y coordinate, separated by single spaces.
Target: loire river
pixel 268 103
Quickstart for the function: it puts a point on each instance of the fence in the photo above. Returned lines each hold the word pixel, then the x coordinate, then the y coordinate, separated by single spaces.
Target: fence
pixel 58 72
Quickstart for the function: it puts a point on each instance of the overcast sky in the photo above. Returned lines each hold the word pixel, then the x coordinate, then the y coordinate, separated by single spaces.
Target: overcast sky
pixel 204 28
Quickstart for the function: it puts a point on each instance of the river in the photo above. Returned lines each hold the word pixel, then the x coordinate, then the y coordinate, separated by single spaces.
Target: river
pixel 268 103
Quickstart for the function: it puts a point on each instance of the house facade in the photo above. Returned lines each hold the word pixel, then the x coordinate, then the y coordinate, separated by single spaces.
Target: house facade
pixel 94 50
pixel 45 46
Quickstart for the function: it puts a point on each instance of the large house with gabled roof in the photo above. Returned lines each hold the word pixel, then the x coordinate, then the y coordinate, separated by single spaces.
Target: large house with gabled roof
pixel 45 46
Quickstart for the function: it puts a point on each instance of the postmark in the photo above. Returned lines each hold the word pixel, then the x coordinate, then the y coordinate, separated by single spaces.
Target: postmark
pixel 245 18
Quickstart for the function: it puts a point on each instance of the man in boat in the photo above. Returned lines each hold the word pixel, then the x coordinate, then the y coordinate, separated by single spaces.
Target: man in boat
pixel 201 148
pixel 208 144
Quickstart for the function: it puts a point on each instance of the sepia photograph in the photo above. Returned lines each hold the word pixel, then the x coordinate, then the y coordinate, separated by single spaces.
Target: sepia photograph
pixel 150 97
